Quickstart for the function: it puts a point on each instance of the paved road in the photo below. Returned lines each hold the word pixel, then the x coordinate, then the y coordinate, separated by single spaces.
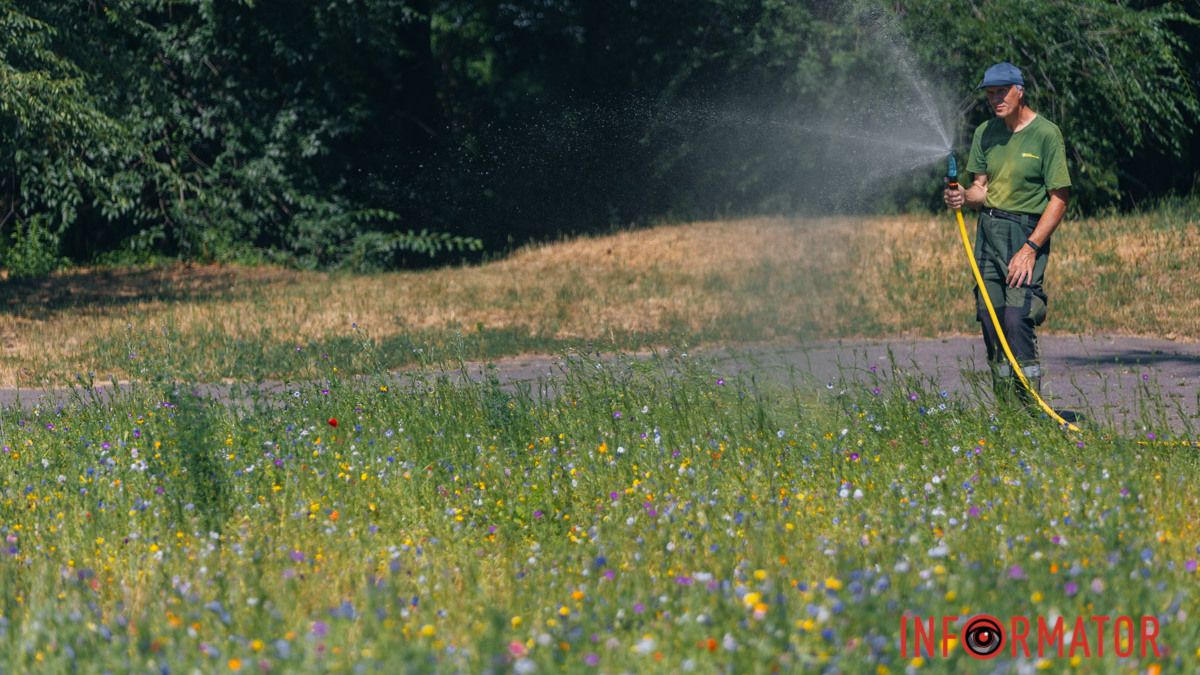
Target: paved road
pixel 1106 377
pixel 1120 379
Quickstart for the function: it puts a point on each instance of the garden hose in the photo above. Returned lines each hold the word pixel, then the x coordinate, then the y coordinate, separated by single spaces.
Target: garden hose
pixel 952 182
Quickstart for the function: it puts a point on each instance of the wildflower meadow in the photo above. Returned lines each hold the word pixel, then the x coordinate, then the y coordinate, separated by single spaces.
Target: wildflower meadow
pixel 633 515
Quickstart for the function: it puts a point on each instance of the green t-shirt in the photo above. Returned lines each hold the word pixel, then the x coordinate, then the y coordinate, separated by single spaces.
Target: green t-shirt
pixel 1020 166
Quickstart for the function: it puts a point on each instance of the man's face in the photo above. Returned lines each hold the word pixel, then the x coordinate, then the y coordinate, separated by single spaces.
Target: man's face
pixel 1005 100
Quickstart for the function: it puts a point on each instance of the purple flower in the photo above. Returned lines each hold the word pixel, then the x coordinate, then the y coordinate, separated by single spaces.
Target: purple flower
pixel 973 512
pixel 720 382
pixel 1071 588
pixel 638 608
pixel 614 496
pixel 537 514
pixel 1190 566
pixel 297 556
pixel 591 659
pixel 617 415
pixel 1015 572
pixel 320 628
pixel 344 611
pixel 1151 435
pixel 875 391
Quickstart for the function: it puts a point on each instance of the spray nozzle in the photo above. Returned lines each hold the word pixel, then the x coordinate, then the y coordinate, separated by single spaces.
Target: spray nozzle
pixel 951 171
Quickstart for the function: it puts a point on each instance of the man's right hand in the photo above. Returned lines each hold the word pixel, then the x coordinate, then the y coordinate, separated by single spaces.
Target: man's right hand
pixel 954 197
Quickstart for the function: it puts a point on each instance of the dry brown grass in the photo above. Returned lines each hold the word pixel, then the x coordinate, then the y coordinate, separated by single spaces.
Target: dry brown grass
pixel 754 279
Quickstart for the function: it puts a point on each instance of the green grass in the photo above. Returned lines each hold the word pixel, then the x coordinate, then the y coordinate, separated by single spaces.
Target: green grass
pixel 650 516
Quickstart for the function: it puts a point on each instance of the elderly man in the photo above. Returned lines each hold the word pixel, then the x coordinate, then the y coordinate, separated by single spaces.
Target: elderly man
pixel 1021 185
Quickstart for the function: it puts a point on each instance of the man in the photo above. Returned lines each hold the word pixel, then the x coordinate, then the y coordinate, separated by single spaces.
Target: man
pixel 1021 185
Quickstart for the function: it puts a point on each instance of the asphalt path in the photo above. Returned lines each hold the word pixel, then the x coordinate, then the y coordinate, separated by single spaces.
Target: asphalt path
pixel 1134 384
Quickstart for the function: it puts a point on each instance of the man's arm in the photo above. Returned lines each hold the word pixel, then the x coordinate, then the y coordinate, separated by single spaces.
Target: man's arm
pixel 972 197
pixel 1020 268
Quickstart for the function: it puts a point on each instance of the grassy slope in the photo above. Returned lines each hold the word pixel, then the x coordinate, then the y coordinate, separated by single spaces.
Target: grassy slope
pixel 650 518
pixel 743 280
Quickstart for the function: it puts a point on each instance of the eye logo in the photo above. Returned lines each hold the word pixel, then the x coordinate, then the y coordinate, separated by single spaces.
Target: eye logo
pixel 983 637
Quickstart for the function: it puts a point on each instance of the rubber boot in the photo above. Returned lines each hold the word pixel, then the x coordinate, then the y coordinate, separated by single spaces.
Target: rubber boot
pixel 1026 399
pixel 1003 385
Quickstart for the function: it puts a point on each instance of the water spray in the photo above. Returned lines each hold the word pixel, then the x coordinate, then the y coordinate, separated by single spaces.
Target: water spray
pixel 952 183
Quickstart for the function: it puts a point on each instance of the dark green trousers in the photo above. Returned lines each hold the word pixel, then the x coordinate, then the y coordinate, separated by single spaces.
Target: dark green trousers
pixel 1021 309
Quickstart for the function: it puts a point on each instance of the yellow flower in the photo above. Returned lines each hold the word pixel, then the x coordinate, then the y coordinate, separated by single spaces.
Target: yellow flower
pixel 428 630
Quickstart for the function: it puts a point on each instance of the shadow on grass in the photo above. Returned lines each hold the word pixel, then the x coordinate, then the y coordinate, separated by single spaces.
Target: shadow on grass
pixel 42 299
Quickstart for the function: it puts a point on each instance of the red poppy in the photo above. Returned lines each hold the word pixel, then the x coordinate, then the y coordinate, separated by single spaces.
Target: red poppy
pixel 333 421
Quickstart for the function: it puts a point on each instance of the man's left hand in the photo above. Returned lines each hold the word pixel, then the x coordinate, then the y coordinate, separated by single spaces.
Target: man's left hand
pixel 1020 268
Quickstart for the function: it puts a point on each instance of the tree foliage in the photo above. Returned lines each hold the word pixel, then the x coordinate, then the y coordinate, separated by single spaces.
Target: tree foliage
pixel 376 133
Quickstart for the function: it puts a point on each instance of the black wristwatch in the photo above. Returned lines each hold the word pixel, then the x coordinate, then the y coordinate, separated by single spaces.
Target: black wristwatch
pixel 1035 247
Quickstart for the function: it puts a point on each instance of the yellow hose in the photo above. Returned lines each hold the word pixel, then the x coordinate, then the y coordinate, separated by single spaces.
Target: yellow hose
pixel 987 301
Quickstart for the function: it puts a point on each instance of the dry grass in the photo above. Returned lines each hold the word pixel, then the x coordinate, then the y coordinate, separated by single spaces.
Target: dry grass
pixel 756 279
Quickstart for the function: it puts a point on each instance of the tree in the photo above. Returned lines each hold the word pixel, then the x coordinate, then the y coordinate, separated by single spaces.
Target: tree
pixel 59 150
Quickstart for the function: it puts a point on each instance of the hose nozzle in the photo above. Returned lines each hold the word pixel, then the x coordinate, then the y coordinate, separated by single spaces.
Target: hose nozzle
pixel 951 171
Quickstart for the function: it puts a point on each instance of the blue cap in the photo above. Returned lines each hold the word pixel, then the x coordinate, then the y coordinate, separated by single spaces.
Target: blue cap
pixel 1000 75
